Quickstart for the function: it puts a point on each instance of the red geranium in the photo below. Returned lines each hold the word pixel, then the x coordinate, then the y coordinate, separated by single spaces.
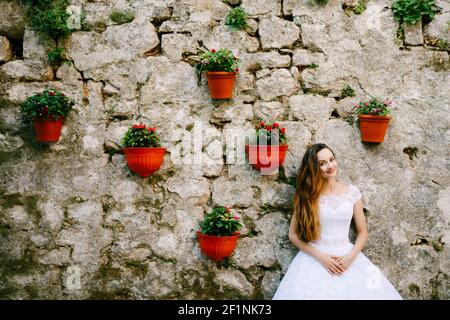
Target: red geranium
pixel 44 111
pixel 141 136
pixel 269 131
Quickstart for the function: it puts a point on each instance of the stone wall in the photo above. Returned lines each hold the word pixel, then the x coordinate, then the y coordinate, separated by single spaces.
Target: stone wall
pixel 74 209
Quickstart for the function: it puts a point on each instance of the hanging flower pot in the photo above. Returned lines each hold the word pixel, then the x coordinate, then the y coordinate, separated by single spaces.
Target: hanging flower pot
pixel 373 119
pixel 269 151
pixel 219 233
pixel 221 67
pixel 142 150
pixel 221 84
pixel 266 157
pixel 47 110
pixel 373 128
pixel 217 247
pixel 48 129
pixel 144 161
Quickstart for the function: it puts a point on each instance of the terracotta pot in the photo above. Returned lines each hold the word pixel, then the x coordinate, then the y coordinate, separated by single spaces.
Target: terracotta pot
pixel 144 161
pixel 221 84
pixel 266 157
pixel 217 247
pixel 48 129
pixel 373 128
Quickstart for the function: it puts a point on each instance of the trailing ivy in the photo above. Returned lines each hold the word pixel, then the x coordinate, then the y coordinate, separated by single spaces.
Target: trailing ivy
pixel 49 17
pixel 413 11
pixel 55 56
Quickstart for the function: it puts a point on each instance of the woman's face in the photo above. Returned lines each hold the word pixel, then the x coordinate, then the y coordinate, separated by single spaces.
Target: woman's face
pixel 327 163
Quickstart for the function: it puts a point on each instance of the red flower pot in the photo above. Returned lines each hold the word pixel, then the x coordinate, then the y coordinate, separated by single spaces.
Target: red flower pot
pixel 373 128
pixel 144 161
pixel 48 129
pixel 217 247
pixel 266 157
pixel 221 84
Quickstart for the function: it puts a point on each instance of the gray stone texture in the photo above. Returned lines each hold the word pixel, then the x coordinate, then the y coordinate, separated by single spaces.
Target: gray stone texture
pixel 75 223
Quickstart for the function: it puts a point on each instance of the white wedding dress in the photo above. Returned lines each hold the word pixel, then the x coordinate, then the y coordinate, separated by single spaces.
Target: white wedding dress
pixel 306 278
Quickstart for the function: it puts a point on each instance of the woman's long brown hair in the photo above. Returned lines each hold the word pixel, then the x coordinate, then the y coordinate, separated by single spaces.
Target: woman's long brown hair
pixel 309 185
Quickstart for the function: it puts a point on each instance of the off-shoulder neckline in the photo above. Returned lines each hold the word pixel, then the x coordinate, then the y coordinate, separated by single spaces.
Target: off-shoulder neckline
pixel 349 186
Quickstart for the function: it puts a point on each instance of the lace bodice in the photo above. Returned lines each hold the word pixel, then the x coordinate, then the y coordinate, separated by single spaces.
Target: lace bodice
pixel 336 212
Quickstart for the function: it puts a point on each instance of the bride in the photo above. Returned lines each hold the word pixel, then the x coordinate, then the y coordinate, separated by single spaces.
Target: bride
pixel 328 265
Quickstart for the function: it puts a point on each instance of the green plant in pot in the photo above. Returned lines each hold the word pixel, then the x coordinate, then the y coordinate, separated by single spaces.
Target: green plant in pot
pixel 218 233
pixel 373 118
pixel 143 150
pixel 47 111
pixel 221 67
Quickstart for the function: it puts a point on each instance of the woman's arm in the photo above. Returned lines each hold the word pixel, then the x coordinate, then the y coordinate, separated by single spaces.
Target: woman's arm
pixel 361 229
pixel 328 261
pixel 361 239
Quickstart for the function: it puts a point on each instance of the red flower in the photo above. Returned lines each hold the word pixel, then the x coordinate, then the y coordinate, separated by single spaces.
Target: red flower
pixel 44 111
pixel 51 93
pixel 283 130
pixel 139 126
pixel 213 50
pixel 275 125
pixel 236 218
pixel 63 95
pixel 262 124
pixel 269 128
pixel 152 129
pixel 228 209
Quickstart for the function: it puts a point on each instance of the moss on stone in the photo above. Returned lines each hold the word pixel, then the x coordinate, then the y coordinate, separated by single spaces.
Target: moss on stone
pixel 414 289
pixel 4 230
pixel 107 272
pixel 28 202
pixel 438 246
pixel 148 203
pixel 437 283
pixel 121 17
pixel 10 267
pixel 138 268
pixel 14 266
pixel 75 199
pixel 32 291
pixel 7 291
pixel 108 203
pixel 118 294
